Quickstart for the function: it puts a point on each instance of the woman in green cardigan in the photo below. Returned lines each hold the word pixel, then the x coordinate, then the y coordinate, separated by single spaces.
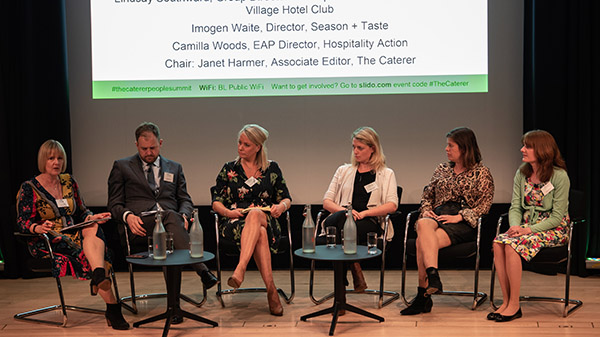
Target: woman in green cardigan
pixel 538 217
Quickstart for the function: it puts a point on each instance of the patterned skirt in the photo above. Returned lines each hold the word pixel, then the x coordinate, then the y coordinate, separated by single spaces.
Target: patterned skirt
pixel 527 246
pixel 69 258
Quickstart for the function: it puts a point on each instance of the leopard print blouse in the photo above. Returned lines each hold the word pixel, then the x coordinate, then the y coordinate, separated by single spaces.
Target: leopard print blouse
pixel 473 188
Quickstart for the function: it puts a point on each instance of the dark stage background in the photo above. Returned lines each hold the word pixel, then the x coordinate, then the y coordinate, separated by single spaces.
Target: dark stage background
pixel 560 71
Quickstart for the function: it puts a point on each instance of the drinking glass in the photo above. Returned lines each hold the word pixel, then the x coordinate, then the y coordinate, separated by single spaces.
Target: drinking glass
pixel 331 232
pixel 170 246
pixel 372 243
pixel 150 247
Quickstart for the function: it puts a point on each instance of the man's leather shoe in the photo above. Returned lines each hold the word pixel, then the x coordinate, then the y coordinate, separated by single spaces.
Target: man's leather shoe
pixel 208 279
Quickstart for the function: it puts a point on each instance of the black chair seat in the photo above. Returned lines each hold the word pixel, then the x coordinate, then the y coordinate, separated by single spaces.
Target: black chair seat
pixel 549 261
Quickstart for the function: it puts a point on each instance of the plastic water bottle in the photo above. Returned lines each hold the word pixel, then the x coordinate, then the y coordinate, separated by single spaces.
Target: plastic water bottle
pixel 308 232
pixel 196 236
pixel 159 239
pixel 349 233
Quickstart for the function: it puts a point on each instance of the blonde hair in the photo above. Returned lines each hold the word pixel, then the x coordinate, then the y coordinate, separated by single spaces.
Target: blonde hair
pixel 51 146
pixel 257 135
pixel 369 137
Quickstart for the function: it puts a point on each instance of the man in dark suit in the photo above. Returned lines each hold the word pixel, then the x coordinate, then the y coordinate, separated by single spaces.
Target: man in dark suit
pixel 141 185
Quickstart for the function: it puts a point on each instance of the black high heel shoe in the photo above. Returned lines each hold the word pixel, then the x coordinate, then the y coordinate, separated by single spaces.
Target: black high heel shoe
pixel 99 281
pixel 502 318
pixel 114 317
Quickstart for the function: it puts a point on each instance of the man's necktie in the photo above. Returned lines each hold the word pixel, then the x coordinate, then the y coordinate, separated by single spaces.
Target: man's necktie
pixel 151 180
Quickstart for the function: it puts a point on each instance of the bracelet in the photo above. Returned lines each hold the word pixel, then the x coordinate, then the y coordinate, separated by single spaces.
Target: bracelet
pixel 285 204
pixel 33 228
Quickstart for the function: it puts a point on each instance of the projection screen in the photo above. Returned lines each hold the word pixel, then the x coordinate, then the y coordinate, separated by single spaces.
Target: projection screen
pixel 217 48
pixel 309 132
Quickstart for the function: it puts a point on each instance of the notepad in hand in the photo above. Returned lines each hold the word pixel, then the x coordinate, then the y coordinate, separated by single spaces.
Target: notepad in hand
pixel 264 209
pixel 84 224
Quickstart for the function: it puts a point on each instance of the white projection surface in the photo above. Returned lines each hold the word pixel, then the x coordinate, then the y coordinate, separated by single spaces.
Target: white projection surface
pixel 309 132
pixel 218 48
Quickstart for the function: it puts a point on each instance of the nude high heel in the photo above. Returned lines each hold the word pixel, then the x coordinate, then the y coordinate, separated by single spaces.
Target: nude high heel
pixel 275 307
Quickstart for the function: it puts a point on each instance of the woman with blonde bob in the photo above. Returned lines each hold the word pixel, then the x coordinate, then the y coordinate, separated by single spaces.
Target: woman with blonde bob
pixel 369 186
pixel 538 217
pixel 50 202
pixel 250 195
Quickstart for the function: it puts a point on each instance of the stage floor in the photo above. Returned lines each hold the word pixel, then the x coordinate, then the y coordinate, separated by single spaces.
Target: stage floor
pixel 248 315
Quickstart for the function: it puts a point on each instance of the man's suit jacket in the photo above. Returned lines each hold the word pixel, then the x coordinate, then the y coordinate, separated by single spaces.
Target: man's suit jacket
pixel 128 188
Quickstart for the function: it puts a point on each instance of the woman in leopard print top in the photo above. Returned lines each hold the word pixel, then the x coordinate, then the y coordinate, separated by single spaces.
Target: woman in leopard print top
pixel 459 192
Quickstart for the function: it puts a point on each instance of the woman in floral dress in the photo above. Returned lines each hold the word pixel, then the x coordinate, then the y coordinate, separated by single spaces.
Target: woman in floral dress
pixel 538 217
pixel 250 195
pixel 50 202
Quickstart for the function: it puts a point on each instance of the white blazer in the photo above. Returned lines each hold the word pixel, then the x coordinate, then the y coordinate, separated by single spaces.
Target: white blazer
pixel 342 186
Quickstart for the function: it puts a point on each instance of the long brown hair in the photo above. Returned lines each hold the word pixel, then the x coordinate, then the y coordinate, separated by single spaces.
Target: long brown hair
pixel 546 152
pixel 467 143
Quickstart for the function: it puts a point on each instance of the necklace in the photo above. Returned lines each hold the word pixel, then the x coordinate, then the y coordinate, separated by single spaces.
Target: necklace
pixel 53 186
pixel 58 188
pixel 247 168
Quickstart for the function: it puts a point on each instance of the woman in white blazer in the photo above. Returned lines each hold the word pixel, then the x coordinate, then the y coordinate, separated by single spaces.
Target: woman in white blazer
pixel 369 186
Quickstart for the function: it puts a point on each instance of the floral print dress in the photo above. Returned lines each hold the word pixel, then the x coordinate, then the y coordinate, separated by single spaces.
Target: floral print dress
pixel 527 246
pixel 235 190
pixel 36 205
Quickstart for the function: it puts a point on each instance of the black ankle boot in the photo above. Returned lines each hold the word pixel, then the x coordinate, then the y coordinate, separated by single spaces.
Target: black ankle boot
pixel 434 284
pixel 114 317
pixel 421 304
pixel 99 281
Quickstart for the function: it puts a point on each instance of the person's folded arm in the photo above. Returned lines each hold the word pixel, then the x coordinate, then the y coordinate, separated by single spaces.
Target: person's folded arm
pixel 184 201
pixel 380 210
pixel 116 193
pixel 485 187
pixel 560 203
